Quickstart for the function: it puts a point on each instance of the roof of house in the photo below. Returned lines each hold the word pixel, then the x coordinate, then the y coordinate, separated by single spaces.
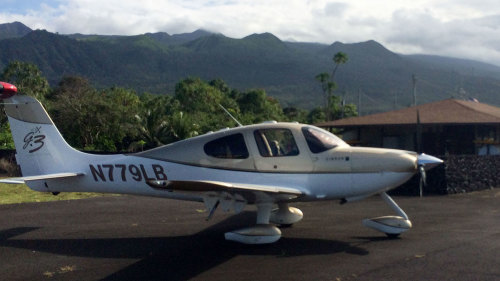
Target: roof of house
pixel 449 111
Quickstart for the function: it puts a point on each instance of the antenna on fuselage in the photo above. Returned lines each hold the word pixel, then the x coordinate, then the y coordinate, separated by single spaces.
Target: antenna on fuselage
pixel 232 117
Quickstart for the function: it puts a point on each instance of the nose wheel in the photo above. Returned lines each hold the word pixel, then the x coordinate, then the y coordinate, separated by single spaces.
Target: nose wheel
pixel 392 226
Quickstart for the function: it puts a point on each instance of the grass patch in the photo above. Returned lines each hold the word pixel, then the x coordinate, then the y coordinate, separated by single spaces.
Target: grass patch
pixel 20 193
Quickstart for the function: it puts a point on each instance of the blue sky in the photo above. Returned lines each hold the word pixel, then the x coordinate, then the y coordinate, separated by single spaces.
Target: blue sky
pixel 24 6
pixel 456 28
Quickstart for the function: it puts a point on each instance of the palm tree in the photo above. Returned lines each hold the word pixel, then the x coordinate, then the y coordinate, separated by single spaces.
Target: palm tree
pixel 339 58
pixel 323 78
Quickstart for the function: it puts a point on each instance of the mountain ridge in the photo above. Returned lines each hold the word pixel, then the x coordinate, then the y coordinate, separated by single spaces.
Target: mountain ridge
pixel 154 62
pixel 13 30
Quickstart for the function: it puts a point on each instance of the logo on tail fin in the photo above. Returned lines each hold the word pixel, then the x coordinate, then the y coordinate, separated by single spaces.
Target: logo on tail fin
pixel 34 140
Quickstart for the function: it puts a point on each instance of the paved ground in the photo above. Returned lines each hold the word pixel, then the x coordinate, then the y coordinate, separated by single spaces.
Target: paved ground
pixel 133 238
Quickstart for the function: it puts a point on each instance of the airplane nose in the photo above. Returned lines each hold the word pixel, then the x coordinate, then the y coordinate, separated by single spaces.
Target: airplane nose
pixel 379 159
pixel 428 161
pixel 400 162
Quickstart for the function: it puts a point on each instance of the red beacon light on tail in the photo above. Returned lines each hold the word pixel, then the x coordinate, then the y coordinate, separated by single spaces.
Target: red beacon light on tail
pixel 7 90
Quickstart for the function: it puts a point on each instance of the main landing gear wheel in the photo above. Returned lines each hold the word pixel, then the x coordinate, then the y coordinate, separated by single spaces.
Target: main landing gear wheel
pixel 264 232
pixel 392 235
pixel 285 216
pixel 261 233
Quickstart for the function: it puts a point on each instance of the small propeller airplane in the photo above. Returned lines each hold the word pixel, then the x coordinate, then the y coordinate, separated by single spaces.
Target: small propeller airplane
pixel 269 165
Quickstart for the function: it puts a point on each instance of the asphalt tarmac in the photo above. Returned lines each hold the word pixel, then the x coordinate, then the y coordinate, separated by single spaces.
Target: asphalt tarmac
pixel 455 237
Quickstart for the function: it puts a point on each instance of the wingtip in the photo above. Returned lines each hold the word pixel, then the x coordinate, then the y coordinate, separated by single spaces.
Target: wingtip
pixel 7 90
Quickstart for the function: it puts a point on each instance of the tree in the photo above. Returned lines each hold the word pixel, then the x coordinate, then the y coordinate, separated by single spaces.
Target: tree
pixel 256 107
pixel 75 110
pixel 194 95
pixel 154 120
pixel 316 115
pixel 28 79
pixel 121 126
pixel 328 84
pixel 339 110
pixel 183 126
pixel 295 114
pixel 6 141
pixel 91 119
pixel 201 100
pixel 339 58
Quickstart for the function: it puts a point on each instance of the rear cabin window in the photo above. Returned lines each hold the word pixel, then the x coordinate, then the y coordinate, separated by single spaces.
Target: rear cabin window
pixel 228 147
pixel 320 140
pixel 276 142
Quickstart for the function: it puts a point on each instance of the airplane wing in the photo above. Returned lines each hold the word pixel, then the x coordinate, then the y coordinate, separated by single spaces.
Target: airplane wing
pixel 39 177
pixel 249 192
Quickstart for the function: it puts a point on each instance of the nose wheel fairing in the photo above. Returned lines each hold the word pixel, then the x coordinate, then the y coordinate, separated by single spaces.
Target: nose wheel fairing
pixel 392 226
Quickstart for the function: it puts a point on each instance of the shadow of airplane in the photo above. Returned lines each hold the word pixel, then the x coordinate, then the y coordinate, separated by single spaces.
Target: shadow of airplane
pixel 178 257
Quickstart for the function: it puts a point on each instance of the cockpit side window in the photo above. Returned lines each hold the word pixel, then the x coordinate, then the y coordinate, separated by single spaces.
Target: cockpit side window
pixel 276 142
pixel 320 140
pixel 228 147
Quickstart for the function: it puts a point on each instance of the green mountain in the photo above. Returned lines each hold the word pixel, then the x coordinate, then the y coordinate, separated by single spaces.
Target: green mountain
pixel 13 30
pixel 154 62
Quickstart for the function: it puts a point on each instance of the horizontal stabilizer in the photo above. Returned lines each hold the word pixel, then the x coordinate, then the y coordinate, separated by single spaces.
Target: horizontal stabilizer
pixel 217 186
pixel 40 177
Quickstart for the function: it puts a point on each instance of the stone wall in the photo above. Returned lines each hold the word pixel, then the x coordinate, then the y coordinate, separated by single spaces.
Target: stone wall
pixel 465 173
pixel 8 166
pixel 458 174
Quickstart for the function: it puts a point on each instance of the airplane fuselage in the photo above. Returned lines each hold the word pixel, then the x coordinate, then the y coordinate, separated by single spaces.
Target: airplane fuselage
pixel 339 172
pixel 269 164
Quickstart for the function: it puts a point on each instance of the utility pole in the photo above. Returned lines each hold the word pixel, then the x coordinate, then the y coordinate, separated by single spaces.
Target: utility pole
pixel 342 104
pixel 359 101
pixel 414 78
pixel 396 99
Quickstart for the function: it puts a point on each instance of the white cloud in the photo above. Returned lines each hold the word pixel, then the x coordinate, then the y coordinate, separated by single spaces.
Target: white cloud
pixel 476 38
pixel 460 28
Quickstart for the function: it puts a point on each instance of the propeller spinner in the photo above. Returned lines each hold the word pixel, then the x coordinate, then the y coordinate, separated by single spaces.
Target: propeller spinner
pixel 424 163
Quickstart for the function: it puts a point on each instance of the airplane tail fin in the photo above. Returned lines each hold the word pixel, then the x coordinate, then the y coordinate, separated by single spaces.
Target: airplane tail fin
pixel 40 148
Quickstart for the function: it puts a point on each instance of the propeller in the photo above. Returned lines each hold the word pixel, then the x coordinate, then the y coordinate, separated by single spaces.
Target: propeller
pixel 421 169
pixel 423 179
pixel 426 162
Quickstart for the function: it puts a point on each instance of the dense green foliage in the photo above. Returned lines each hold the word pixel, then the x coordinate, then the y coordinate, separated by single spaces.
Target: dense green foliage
pixel 118 119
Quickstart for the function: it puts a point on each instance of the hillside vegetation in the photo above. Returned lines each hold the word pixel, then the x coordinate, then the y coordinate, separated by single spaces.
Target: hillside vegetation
pixel 155 62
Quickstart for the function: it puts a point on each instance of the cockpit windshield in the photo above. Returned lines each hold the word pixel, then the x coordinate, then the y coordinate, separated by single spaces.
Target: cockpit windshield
pixel 320 140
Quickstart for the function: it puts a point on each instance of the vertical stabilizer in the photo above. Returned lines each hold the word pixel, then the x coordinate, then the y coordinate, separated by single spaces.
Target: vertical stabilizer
pixel 40 148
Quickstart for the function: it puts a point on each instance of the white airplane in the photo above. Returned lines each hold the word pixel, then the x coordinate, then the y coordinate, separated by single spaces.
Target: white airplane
pixel 269 165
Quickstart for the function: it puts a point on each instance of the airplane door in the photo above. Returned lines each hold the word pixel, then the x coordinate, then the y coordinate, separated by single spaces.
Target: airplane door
pixel 280 150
